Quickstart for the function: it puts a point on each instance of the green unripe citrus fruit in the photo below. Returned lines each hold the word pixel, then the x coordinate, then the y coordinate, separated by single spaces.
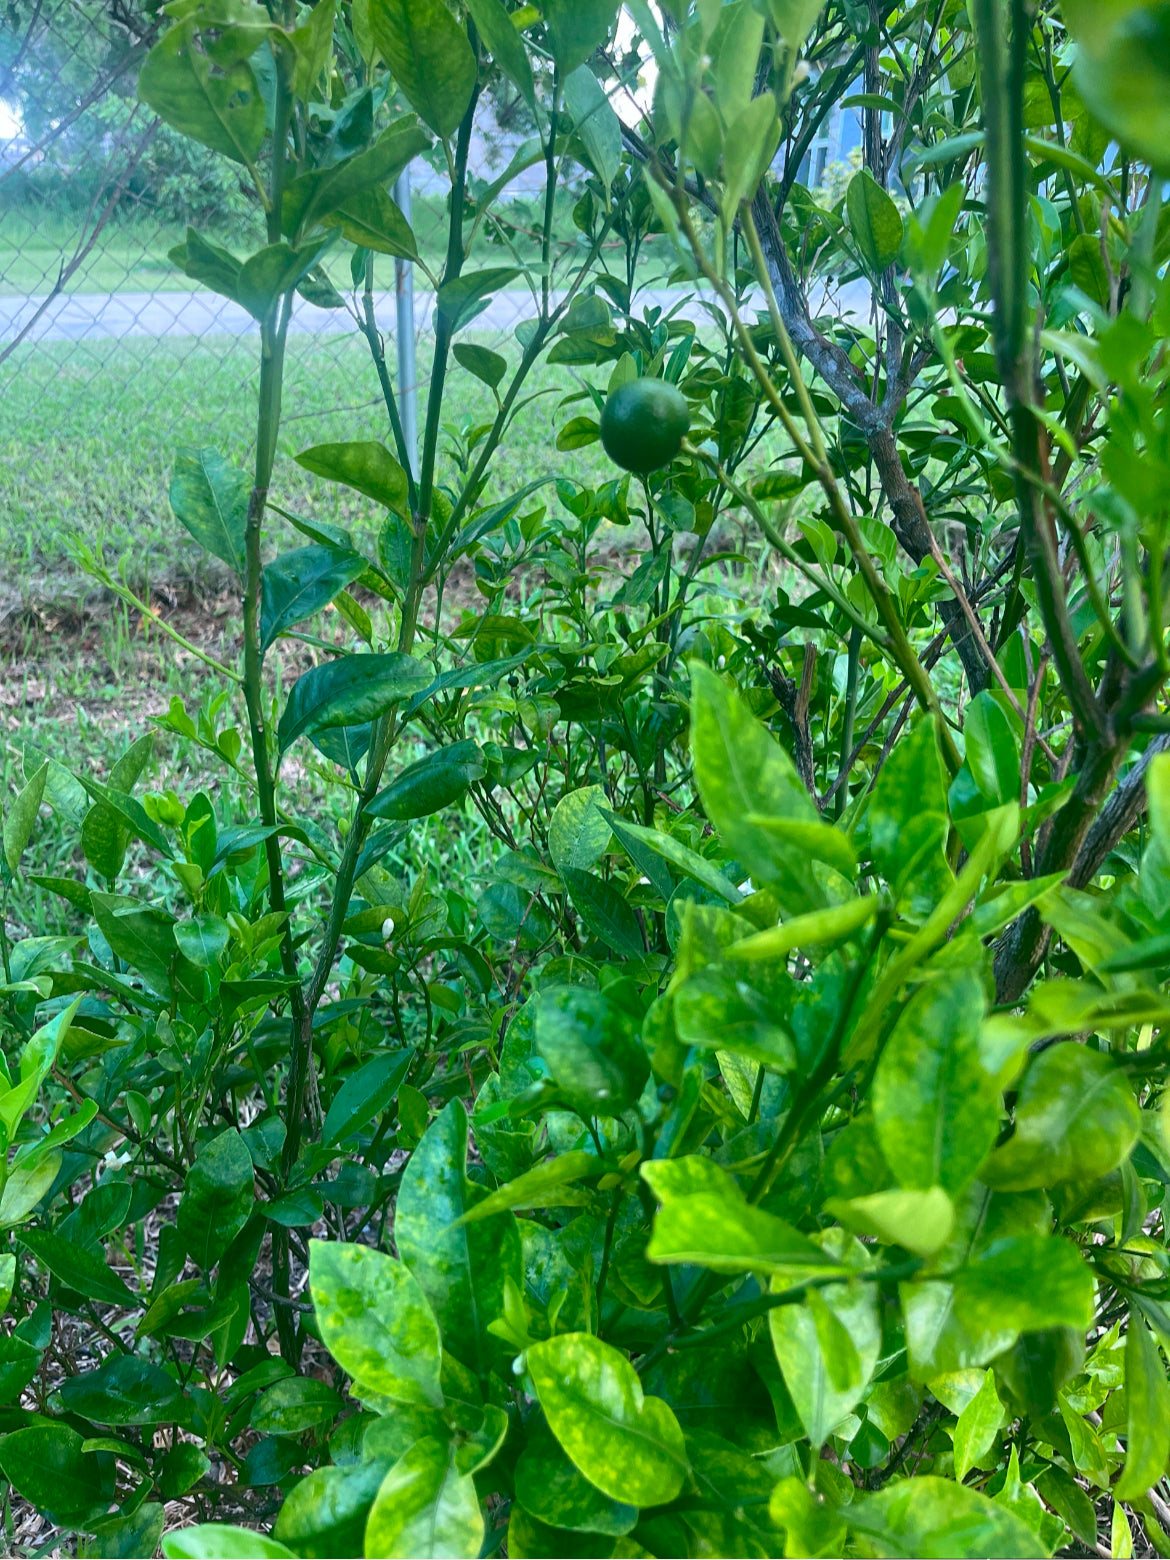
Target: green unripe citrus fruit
pixel 644 424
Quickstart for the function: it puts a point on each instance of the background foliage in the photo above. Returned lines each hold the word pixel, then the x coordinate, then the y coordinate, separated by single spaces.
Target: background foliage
pixel 737 1128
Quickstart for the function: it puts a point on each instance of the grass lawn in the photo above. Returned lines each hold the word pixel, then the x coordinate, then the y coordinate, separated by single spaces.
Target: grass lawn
pixel 131 252
pixel 88 434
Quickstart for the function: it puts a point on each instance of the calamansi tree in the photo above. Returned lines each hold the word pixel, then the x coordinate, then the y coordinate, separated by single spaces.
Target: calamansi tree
pixel 750 1139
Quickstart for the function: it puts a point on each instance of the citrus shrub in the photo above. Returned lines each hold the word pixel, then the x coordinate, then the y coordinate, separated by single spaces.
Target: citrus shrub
pixel 771 1223
pixel 641 1049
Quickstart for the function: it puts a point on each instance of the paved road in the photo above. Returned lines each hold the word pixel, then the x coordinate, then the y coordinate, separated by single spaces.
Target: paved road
pixel 118 316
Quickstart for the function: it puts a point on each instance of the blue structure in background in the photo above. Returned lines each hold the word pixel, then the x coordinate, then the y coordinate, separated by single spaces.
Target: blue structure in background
pixel 840 135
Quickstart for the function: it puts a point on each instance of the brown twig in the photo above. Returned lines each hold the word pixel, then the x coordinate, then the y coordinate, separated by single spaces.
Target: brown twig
pixel 794 701
pixel 980 638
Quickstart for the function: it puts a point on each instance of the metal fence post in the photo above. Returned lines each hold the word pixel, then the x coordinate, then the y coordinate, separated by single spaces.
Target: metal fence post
pixel 404 332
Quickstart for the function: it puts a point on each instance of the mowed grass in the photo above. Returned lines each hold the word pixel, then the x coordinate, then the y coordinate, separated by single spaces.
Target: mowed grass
pixel 130 256
pixel 89 431
pixel 132 252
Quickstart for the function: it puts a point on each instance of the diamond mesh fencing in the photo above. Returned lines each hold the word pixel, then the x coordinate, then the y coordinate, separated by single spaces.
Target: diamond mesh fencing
pixel 103 342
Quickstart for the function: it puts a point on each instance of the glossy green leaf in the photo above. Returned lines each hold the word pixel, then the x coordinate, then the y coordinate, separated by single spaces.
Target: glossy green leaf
pixel 740 1010
pixel 429 56
pixel 936 1109
pixel 298 584
pixel 874 220
pixel 222 1541
pixel 208 263
pixel 595 124
pixel 1147 1402
pixel 577 28
pixel 728 1235
pixel 104 841
pixel 795 19
pixel 374 221
pixel 920 1220
pixel 273 271
pixel 1025 1282
pixel 977 1427
pixel 182 1468
pixel 78 1268
pixel 630 1446
pixel 217 1200
pixel 753 796
pixel 425 1508
pixel 376 1322
pixel 908 821
pixel 364 1094
pixel 555 1492
pixel 538 1187
pixel 211 499
pixel 434 782
pixel 20 817
pixel 130 812
pixel 203 940
pixel 46 1464
pixel 37 1059
pixel 141 935
pixel 688 862
pixel 605 912
pixel 294 1405
pixel 326 1513
pixel 461 1268
pixel 827 1347
pixel 125 1537
pixel 363 464
pixel 818 929
pixel 812 1525
pixel 1121 70
pixel 992 752
pixel 460 300
pixel 735 46
pixel 24 1189
pixel 592 1048
pixel 750 146
pixel 503 41
pixel 19 1363
pixel 313 196
pixel 578 833
pixel 347 692
pixel 124 1390
pixel 1076 1119
pixel 487 366
pixel 313 42
pixel 937 1516
pixel 218 105
pixel 688 1176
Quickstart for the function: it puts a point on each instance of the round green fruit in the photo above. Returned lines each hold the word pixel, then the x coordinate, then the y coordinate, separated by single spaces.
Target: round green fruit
pixel 644 424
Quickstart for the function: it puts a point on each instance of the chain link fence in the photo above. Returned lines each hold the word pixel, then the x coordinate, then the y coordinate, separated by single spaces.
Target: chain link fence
pixel 104 344
pixel 93 193
pixel 110 356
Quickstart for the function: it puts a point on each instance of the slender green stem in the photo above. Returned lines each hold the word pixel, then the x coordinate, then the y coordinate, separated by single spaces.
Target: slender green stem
pixel 550 192
pixel 1002 82
pixel 443 331
pixel 368 326
pixel 4 936
pixel 124 593
pixel 273 334
pixel 808 1098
